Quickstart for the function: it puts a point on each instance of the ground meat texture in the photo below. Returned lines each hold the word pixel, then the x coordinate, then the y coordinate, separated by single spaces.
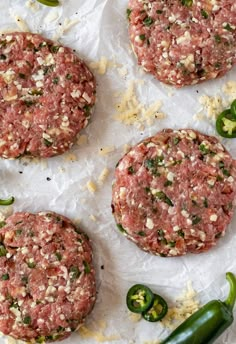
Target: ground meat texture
pixel 46 96
pixel 47 279
pixel 174 192
pixel 183 42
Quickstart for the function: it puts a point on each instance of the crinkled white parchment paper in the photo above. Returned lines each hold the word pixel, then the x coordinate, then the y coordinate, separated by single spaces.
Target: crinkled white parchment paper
pixel 100 29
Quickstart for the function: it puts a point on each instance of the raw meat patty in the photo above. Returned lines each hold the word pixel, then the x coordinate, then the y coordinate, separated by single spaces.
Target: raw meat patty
pixel 46 95
pixel 174 192
pixel 183 42
pixel 47 280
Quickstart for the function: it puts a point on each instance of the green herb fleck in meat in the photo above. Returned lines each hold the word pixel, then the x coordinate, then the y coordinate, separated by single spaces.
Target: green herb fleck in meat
pixel 31 265
pixel 141 233
pixel 162 197
pixel 187 3
pixel 55 80
pixel 172 243
pixel 18 232
pixel 29 102
pixel 159 11
pixel 5 277
pixel 87 268
pixel 131 170
pixel 176 140
pixel 168 183
pixel 24 280
pixel 204 14
pixel 3 57
pixel 48 69
pixel 75 273
pixel 128 13
pixel 87 109
pixel 59 256
pixel 205 203
pixel 153 164
pixel 40 339
pixel 27 320
pixel 180 233
pixel 21 75
pixel 68 76
pixel 176 162
pixel 221 164
pixel 3 251
pixel 217 38
pixel 142 37
pixel 228 27
pixel 148 21
pixel 218 235
pixel 42 45
pixel 203 149
pixel 47 143
pixel 2 224
pixel 160 233
pixel 54 49
pixel 217 65
pixel 121 229
pixel 35 92
pixel 225 172
pixel 196 219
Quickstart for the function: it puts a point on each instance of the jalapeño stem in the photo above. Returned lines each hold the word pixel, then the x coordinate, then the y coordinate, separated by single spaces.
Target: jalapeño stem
pixel 8 201
pixel 231 299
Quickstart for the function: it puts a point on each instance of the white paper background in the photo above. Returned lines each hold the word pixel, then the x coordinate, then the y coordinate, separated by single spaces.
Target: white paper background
pixel 102 31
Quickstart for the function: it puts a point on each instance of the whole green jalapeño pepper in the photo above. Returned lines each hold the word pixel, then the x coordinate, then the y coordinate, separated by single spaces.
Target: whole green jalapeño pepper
pixel 209 322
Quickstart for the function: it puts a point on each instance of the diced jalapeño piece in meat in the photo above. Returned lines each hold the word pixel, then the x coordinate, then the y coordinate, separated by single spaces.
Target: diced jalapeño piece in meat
pixel 27 320
pixel 3 251
pixel 75 273
pixel 162 197
pixel 87 267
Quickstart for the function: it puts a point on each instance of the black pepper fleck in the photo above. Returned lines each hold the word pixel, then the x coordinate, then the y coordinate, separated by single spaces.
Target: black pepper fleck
pixel 48 179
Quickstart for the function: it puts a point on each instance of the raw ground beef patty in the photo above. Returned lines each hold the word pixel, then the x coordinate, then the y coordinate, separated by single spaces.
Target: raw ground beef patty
pixel 183 42
pixel 46 96
pixel 174 192
pixel 47 283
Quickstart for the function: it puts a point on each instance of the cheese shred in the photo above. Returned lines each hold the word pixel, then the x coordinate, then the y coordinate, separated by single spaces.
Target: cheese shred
pixel 130 111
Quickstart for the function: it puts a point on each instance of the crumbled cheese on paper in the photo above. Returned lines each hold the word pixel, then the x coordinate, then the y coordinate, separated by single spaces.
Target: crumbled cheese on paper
pixel 103 175
pixel 214 105
pixel 32 5
pixel 135 317
pixel 64 27
pixel 93 218
pixel 106 150
pixel 102 65
pixel 131 112
pixel 82 140
pixel 186 305
pixel 20 23
pixel 230 90
pixel 91 186
pixel 98 334
pixel 70 157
